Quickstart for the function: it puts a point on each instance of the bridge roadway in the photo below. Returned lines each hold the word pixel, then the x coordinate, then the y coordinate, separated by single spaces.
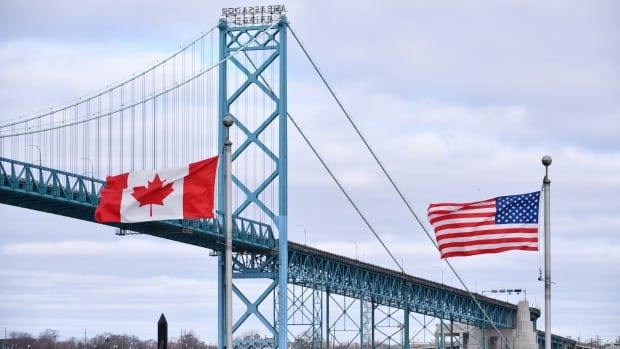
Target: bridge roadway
pixel 63 193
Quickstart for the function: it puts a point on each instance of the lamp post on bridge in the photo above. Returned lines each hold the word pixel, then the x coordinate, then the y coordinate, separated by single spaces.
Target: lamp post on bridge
pixel 92 166
pixel 356 249
pixel 305 234
pixel 441 273
pixel 39 149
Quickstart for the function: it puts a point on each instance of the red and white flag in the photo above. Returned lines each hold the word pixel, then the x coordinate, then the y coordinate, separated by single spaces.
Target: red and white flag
pixel 490 226
pixel 185 192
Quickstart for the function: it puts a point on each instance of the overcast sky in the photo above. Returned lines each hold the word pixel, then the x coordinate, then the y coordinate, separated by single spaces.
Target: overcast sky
pixel 460 99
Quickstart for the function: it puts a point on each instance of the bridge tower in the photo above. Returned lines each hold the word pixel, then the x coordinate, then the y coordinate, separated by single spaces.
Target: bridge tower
pixel 252 89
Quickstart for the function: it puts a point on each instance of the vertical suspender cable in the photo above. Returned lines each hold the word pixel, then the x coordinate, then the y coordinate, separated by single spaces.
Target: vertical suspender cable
pixel 133 124
pixel 86 136
pixel 210 105
pixel 39 141
pixel 75 143
pixel 192 104
pixel 122 128
pixel 64 140
pixel 110 102
pixel 58 152
pixel 143 122
pixel 154 120
pixel 164 115
pixel 99 137
pixel 175 119
pixel 13 140
pixel 184 125
pixel 26 148
pixel 44 144
pixel 203 115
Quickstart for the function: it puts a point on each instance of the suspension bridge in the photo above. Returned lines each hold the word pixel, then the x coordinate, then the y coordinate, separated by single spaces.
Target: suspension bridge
pixel 171 114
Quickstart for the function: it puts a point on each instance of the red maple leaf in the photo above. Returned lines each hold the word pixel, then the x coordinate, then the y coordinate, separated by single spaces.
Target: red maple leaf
pixel 153 194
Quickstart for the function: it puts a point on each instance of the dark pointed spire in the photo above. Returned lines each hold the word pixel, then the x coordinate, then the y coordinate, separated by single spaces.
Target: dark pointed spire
pixel 162 333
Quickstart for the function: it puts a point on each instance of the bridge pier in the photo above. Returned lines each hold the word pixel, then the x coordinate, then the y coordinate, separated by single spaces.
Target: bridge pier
pixel 522 336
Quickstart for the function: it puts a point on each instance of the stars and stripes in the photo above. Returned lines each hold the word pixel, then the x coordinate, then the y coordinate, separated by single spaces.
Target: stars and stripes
pixel 490 226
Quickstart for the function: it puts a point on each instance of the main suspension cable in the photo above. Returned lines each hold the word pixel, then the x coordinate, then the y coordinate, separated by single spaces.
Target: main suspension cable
pixel 331 174
pixel 69 105
pixel 150 98
pixel 390 178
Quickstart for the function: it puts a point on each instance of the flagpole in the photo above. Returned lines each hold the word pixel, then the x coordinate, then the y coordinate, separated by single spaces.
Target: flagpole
pixel 228 122
pixel 546 161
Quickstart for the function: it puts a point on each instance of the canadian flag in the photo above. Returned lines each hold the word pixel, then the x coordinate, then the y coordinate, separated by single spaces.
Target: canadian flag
pixel 185 192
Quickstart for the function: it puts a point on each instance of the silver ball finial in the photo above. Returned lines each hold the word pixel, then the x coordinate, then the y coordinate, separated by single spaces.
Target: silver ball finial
pixel 228 121
pixel 546 160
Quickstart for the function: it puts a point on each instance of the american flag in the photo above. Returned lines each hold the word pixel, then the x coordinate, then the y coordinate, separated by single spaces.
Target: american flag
pixel 495 225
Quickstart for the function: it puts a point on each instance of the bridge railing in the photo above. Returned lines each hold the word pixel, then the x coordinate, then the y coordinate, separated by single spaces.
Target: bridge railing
pixel 57 188
pixel 23 176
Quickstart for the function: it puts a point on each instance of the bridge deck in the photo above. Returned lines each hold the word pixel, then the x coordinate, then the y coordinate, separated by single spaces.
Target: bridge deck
pixel 67 194
pixel 49 190
pixel 318 269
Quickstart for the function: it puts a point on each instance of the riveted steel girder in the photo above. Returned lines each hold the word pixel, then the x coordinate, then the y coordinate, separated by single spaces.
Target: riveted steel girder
pixel 344 276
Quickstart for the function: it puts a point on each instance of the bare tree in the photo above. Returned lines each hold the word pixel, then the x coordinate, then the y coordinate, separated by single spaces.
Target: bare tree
pixel 47 339
pixel 22 340
pixel 188 340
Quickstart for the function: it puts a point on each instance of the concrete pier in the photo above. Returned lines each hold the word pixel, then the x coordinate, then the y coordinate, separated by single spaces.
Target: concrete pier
pixel 523 336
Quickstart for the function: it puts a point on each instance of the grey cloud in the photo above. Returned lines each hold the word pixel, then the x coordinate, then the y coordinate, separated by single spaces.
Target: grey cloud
pixel 459 99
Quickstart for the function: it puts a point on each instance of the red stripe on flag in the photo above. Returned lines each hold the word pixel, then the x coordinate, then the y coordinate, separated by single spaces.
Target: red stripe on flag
pixel 438 211
pixel 485 242
pixel 463 225
pixel 109 208
pixel 463 204
pixel 461 215
pixel 488 232
pixel 199 189
pixel 486 251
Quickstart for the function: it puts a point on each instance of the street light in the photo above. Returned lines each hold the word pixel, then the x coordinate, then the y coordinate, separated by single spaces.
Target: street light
pixel 92 167
pixel 441 273
pixel 39 149
pixel 305 234
pixel 355 242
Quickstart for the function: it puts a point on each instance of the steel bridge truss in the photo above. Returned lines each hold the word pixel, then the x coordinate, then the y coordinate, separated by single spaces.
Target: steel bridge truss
pixel 340 275
pixel 72 195
pixel 305 317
